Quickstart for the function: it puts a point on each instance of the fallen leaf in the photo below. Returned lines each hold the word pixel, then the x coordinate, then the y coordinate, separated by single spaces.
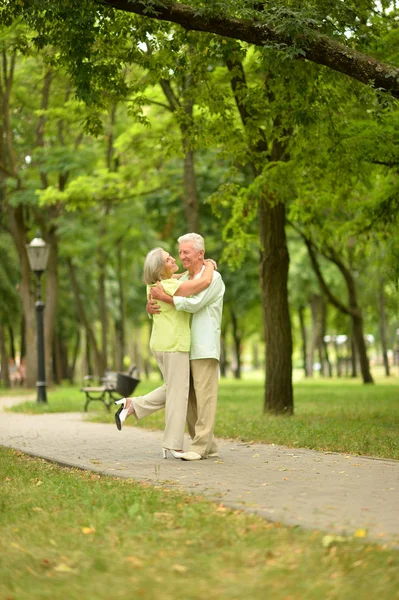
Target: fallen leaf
pixel 46 563
pixel 358 563
pixel 88 530
pixel 63 568
pixel 179 568
pixel 137 562
pixel 37 509
pixel 39 482
pixel 360 533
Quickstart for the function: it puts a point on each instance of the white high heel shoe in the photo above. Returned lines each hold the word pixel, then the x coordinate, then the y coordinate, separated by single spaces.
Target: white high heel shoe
pixel 122 412
pixel 174 453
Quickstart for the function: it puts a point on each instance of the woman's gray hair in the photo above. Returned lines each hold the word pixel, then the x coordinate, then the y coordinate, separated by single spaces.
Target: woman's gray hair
pixel 153 266
pixel 196 238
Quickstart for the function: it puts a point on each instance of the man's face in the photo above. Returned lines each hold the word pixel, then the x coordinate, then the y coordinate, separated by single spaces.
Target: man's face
pixel 190 258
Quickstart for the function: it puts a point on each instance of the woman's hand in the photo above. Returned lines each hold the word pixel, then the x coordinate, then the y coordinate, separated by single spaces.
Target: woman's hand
pixel 157 293
pixel 213 262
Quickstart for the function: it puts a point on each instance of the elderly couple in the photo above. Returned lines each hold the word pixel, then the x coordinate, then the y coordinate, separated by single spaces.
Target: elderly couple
pixel 187 358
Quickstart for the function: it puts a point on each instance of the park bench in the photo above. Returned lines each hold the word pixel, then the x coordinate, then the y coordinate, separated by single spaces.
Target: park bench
pixel 114 386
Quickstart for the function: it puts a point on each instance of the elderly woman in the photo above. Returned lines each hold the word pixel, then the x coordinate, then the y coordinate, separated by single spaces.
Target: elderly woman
pixel 170 344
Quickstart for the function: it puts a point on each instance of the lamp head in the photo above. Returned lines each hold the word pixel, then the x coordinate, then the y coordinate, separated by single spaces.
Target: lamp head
pixel 38 253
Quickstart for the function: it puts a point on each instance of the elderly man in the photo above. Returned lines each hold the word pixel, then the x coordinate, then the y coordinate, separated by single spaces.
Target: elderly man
pixel 207 309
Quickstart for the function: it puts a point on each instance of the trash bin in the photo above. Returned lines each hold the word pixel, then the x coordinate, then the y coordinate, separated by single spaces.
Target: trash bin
pixel 125 384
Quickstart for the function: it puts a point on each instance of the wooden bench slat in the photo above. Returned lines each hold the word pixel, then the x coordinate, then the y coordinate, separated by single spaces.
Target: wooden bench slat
pixel 106 392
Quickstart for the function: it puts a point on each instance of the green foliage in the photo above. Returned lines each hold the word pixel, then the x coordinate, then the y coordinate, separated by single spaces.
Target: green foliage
pixel 9 274
pixel 337 176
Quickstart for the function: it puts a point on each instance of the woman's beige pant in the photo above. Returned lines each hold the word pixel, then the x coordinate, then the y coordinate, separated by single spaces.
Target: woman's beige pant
pixel 173 395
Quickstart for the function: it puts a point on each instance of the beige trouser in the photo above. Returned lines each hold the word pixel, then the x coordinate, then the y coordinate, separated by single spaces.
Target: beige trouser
pixel 201 412
pixel 173 395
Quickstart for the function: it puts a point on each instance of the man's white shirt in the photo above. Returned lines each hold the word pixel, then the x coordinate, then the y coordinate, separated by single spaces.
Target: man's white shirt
pixel 206 307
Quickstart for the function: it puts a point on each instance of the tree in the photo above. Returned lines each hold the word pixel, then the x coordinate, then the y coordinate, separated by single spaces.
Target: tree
pixel 9 306
pixel 277 31
pixel 301 30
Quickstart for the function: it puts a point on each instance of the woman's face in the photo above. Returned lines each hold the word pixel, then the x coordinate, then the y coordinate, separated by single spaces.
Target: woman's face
pixel 169 265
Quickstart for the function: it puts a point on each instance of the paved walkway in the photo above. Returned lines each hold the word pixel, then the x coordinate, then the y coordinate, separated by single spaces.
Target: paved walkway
pixel 336 493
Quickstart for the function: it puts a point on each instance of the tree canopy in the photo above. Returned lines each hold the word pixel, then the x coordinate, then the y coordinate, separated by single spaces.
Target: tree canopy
pixel 342 36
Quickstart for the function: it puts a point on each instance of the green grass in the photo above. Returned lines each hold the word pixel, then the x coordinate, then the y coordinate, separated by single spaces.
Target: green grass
pixel 337 415
pixel 70 534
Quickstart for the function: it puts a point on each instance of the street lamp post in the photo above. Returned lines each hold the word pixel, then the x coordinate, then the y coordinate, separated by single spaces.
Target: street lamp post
pixel 38 252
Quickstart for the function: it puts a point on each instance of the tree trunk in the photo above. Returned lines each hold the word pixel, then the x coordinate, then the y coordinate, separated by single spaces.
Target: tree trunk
pixel 17 229
pixel 223 351
pixel 352 309
pixel 72 365
pixel 89 367
pixel 301 313
pixel 91 338
pixel 274 259
pixel 337 358
pixel 358 333
pixel 353 355
pixel 50 294
pixel 16 222
pixel 12 342
pixel 23 339
pixel 237 344
pixel 383 328
pixel 102 304
pixel 120 322
pixel 4 357
pixel 57 366
pixel 274 264
pixel 316 303
pixel 183 108
pixel 323 342
pixel 191 210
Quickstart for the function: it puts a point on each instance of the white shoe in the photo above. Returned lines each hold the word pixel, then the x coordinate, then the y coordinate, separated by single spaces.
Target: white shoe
pixel 174 453
pixel 123 411
pixel 191 456
pixel 213 455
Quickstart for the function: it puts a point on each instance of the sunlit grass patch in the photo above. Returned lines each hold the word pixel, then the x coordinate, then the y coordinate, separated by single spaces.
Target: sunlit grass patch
pixel 73 534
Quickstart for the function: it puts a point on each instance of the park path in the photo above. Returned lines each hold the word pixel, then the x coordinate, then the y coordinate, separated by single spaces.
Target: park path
pixel 336 493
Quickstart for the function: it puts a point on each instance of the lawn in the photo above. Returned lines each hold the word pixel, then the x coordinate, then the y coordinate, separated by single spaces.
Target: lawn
pixel 70 534
pixel 340 415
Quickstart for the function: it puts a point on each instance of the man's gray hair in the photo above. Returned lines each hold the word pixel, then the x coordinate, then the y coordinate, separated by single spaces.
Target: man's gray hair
pixel 196 238
pixel 153 266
